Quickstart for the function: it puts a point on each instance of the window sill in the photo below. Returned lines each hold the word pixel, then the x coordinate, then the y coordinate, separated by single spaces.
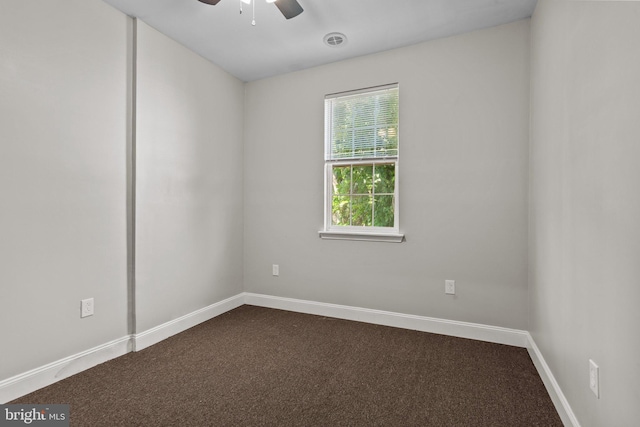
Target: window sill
pixel 368 237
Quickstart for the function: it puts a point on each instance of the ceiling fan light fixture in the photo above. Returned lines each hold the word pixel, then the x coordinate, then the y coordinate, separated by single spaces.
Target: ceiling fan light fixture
pixel 335 39
pixel 288 8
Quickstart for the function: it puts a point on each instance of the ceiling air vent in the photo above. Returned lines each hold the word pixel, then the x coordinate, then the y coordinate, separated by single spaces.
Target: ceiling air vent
pixel 335 39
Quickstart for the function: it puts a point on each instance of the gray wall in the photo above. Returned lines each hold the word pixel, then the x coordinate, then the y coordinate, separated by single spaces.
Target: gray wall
pixel 63 109
pixel 464 173
pixel 464 110
pixel 63 178
pixel 585 203
pixel 189 181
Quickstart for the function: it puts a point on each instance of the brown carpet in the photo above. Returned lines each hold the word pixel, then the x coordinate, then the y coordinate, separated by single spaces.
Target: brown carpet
pixel 261 367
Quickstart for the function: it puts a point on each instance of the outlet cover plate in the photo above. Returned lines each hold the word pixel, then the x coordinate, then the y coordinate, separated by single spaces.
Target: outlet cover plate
pixel 275 270
pixel 594 378
pixel 86 307
pixel 450 287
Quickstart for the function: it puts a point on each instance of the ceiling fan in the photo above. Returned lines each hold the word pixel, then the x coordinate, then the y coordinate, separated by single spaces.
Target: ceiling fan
pixel 289 8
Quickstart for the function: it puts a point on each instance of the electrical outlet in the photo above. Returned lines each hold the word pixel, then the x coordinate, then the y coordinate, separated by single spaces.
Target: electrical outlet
pixel 86 307
pixel 276 270
pixel 594 378
pixel 450 287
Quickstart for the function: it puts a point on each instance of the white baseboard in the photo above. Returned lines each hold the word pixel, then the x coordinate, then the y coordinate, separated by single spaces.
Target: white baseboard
pixel 161 332
pixel 32 380
pixel 553 388
pixel 27 382
pixel 454 328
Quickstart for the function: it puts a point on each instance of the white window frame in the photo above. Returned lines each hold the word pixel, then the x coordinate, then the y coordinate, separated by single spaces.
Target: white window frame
pixel 364 233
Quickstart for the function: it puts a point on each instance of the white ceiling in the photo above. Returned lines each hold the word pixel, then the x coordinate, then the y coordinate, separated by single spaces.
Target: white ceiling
pixel 276 45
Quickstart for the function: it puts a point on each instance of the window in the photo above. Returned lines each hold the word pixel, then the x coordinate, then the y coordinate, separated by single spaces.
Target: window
pixel 361 165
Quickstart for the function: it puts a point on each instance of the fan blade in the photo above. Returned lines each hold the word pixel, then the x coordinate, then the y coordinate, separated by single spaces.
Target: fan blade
pixel 211 2
pixel 289 8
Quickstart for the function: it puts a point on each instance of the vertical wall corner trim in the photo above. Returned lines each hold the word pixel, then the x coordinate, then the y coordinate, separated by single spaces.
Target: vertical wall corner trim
pixel 132 46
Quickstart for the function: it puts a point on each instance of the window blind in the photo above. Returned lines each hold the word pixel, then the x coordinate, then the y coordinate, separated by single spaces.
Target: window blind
pixel 362 125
